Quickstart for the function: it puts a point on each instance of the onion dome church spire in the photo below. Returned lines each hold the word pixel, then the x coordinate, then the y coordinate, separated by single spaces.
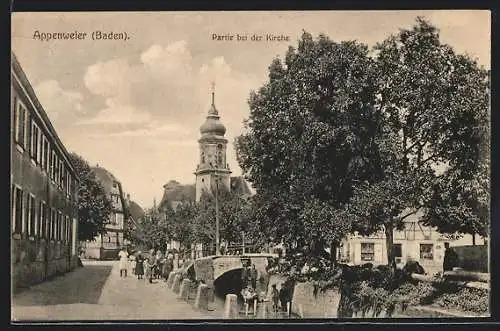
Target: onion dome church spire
pixel 213 125
pixel 212 168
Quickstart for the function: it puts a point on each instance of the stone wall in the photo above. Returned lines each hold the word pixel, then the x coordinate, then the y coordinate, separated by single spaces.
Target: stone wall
pixel 307 303
pixel 34 261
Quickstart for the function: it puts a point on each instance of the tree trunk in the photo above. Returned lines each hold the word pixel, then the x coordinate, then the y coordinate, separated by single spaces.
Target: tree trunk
pixel 333 253
pixel 389 244
pixel 473 239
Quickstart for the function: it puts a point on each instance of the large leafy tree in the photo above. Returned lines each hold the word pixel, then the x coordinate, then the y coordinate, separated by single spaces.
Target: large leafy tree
pixel 151 231
pixel 433 104
pixel 183 223
pixel 234 213
pixel 94 206
pixel 309 138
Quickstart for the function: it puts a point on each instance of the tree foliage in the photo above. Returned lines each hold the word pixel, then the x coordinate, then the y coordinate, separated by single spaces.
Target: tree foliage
pixel 342 138
pixel 309 137
pixel 94 206
pixel 190 223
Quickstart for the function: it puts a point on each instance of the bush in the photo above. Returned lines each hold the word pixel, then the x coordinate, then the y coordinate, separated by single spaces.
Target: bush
pixel 465 299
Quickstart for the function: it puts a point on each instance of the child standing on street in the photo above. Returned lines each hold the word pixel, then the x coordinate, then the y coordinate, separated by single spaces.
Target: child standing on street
pixel 139 267
pixel 147 268
pixel 133 263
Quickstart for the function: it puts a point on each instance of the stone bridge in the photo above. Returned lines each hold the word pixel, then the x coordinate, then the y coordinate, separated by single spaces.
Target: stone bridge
pixel 223 272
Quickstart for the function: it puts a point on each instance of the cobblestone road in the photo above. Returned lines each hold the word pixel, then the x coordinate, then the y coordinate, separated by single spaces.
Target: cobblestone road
pixel 96 292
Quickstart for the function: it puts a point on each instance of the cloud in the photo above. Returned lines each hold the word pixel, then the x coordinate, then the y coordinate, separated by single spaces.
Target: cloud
pixel 151 130
pixel 108 78
pixel 173 59
pixel 61 105
pixel 117 113
pixel 167 84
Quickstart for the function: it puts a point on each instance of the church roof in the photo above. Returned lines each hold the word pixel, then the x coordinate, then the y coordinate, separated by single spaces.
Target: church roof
pixel 213 125
pixel 240 186
pixel 174 191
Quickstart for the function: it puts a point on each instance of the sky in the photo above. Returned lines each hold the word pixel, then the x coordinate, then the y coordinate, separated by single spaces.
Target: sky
pixel 135 106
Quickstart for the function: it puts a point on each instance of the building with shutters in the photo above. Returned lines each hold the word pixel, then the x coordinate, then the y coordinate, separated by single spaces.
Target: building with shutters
pixel 44 188
pixel 415 242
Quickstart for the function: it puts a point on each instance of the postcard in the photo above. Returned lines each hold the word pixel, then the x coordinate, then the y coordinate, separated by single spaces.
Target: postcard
pixel 252 165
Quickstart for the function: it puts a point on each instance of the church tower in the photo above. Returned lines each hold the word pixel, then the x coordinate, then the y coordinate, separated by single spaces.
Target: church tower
pixel 212 170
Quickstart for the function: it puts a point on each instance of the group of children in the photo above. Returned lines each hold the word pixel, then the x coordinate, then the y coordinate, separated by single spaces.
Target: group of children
pixel 152 266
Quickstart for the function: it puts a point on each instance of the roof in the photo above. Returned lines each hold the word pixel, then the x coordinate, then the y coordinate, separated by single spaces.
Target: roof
pixel 415 217
pixel 240 186
pixel 106 178
pixel 135 210
pixel 174 191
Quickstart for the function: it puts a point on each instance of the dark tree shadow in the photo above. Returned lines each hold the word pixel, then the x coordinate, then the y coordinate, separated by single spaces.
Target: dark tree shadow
pixel 82 285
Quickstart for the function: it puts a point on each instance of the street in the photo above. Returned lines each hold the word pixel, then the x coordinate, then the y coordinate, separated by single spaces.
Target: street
pixel 96 292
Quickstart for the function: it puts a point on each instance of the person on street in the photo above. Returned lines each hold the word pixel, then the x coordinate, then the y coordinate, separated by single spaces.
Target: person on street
pixel 152 264
pixel 245 274
pixel 168 267
pixel 450 258
pixel 253 276
pixel 139 267
pixel 133 263
pixel 275 297
pixel 147 269
pixel 123 262
pixel 159 264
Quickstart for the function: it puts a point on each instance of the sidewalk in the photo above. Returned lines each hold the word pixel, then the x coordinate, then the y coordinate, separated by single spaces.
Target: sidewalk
pixel 96 292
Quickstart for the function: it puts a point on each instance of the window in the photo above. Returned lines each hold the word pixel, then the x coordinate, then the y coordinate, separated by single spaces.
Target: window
pixel 60 173
pixel 426 251
pixel 66 233
pixel 52 164
pixel 18 203
pixel 20 122
pixel 118 219
pixel 398 251
pixel 63 177
pixel 63 228
pixel 115 198
pixel 53 217
pixel 59 225
pixel 34 140
pixel 41 220
pixel 46 225
pixel 367 251
pixel 68 182
pixel 45 156
pixel 33 217
pixel 70 230
pixel 39 147
pixel 28 133
pixel 30 215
